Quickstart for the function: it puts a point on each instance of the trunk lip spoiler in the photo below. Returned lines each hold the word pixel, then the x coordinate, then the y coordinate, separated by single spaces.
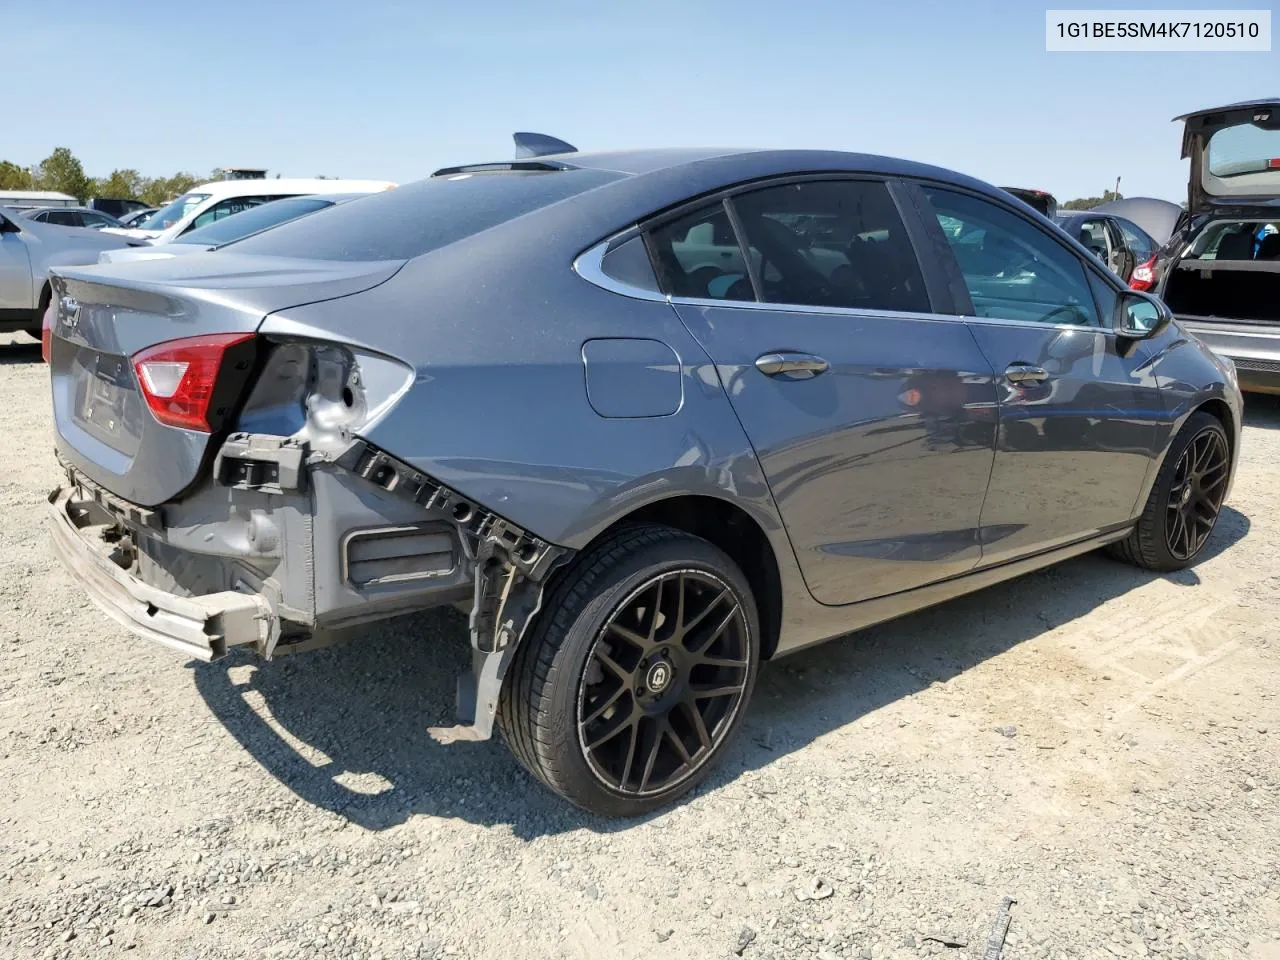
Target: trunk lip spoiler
pixel 202 627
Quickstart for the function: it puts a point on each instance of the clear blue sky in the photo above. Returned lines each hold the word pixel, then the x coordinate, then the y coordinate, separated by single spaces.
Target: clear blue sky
pixel 395 90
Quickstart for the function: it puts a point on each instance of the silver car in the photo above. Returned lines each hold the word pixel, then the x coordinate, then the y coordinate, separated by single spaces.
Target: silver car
pixel 28 248
pixel 653 417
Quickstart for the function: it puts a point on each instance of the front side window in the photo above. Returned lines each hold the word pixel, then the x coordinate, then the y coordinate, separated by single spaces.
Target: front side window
pixel 698 256
pixel 831 243
pixel 1012 269
pixel 1093 234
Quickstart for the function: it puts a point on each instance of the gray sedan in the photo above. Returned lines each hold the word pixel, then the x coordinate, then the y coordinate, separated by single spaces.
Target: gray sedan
pixel 654 417
pixel 28 248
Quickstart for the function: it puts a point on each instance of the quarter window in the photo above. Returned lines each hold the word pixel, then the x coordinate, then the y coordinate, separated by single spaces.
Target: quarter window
pixel 1012 268
pixel 831 243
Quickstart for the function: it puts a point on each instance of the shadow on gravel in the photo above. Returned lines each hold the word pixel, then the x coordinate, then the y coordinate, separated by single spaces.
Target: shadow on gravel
pixel 25 352
pixel 360 711
pixel 1262 410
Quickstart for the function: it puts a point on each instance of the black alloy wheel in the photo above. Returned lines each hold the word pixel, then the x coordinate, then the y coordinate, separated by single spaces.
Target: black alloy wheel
pixel 1195 498
pixel 636 673
pixel 663 683
pixel 1185 500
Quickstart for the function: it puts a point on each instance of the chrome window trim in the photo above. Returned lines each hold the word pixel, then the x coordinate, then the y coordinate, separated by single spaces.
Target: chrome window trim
pixel 588 266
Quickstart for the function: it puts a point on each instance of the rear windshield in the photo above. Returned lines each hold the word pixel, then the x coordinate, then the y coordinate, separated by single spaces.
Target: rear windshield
pixel 249 221
pixel 420 217
pixel 1237 240
pixel 1234 151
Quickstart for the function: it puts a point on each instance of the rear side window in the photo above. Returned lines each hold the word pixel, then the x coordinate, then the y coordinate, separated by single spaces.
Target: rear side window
pixel 831 243
pixel 1139 242
pixel 420 217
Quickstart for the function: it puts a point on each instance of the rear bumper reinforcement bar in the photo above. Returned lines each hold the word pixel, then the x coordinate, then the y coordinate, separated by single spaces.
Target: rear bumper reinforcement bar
pixel 201 627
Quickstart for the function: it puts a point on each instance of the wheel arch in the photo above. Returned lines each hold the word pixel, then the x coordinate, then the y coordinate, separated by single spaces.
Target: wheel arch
pixel 736 532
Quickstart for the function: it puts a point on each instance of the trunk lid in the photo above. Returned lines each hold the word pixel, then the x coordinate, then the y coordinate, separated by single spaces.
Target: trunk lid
pixel 102 316
pixel 1235 155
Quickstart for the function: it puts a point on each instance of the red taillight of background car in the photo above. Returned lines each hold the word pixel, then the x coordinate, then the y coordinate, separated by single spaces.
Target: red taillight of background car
pixel 46 332
pixel 178 377
pixel 1144 275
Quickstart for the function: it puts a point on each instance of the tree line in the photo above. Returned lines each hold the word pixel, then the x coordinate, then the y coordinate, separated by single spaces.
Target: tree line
pixel 62 171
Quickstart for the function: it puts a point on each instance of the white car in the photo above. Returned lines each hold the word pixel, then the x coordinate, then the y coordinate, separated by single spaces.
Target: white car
pixel 213 236
pixel 222 198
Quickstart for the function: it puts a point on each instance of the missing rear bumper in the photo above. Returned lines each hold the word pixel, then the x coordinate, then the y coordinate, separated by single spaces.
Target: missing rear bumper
pixel 201 627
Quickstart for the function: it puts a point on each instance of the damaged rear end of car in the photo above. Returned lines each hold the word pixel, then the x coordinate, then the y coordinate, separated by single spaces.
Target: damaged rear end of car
pixel 218 490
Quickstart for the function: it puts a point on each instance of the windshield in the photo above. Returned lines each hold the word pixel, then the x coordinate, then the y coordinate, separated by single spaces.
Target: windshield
pixel 1244 148
pixel 424 216
pixel 167 216
pixel 257 218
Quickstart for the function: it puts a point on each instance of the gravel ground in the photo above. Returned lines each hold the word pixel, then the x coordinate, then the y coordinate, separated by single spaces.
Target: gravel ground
pixel 1098 744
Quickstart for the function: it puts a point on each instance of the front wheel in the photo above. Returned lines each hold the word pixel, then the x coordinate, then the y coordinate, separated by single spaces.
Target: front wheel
pixel 636 674
pixel 1185 500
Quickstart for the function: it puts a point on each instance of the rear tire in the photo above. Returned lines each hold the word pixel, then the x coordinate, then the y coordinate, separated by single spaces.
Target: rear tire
pixel 636 674
pixel 1185 500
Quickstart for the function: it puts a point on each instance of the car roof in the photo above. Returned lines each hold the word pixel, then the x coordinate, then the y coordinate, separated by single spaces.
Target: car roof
pixel 28 211
pixel 35 195
pixel 223 189
pixel 749 162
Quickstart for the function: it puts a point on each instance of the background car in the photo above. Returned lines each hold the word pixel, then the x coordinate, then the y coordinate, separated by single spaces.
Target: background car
pixel 1220 272
pixel 28 248
pixel 208 202
pixel 1119 243
pixel 229 229
pixel 138 216
pixel 1041 201
pixel 1155 217
pixel 655 415
pixel 116 206
pixel 72 217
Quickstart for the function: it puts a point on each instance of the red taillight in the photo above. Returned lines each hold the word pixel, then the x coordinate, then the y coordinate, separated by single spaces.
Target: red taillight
pixel 1273 163
pixel 178 377
pixel 1144 275
pixel 46 331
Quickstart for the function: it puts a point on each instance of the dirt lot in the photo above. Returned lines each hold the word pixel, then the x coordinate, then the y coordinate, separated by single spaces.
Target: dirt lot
pixel 1101 745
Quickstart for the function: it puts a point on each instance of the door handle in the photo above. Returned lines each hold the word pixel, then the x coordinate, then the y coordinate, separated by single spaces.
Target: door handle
pixel 792 366
pixel 1025 373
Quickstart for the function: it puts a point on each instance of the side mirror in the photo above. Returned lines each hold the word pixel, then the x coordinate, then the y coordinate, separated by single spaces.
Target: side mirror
pixel 8 226
pixel 1139 315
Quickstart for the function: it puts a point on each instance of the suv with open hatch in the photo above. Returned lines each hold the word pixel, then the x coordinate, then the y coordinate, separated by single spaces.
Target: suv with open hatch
pixel 654 417
pixel 1220 271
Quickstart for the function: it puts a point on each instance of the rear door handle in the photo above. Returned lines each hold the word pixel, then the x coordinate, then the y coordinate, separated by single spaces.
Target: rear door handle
pixel 791 366
pixel 1025 373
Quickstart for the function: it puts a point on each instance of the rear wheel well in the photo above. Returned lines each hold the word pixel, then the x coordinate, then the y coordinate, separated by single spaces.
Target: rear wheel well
pixel 735 532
